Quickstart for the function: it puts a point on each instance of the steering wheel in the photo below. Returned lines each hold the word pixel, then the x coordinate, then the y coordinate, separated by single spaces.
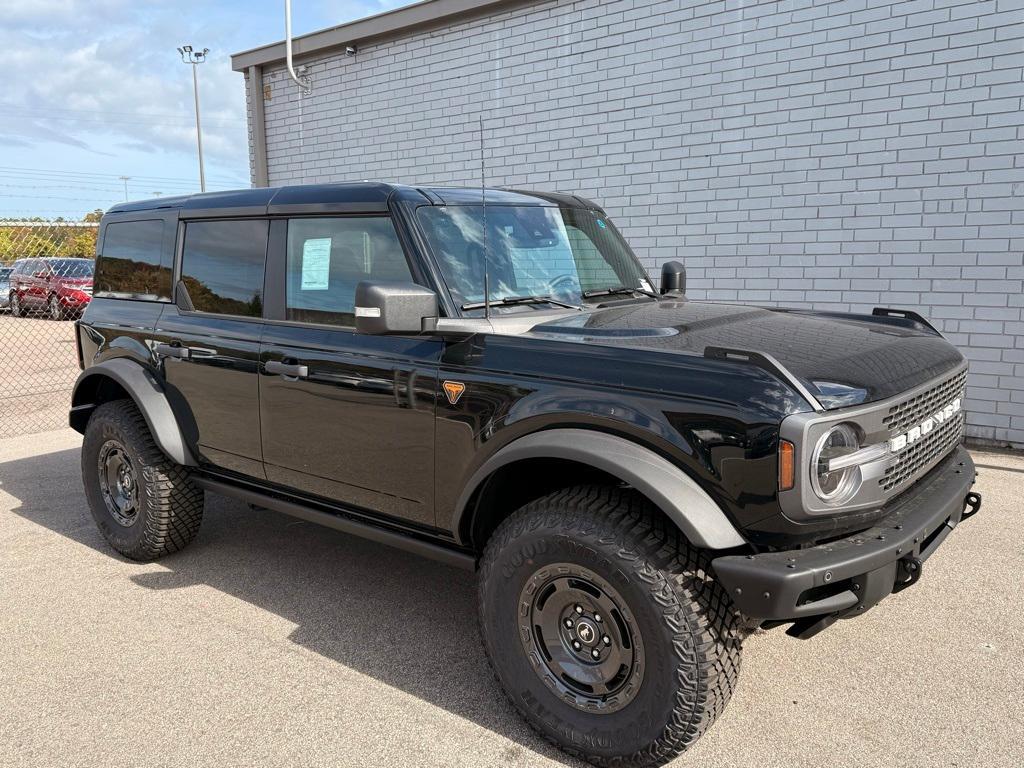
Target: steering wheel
pixel 571 285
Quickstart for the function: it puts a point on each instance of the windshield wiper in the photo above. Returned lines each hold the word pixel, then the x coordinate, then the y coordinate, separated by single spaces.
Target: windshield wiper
pixel 620 291
pixel 511 301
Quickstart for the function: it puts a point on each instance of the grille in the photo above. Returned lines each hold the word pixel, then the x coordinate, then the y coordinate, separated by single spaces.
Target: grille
pixel 919 456
pixel 916 409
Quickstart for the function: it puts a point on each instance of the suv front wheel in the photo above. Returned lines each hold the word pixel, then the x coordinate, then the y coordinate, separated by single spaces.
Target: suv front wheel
pixel 145 505
pixel 54 307
pixel 606 627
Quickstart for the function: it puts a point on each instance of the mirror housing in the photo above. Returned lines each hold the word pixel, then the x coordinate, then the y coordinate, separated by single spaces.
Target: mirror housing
pixel 673 278
pixel 388 307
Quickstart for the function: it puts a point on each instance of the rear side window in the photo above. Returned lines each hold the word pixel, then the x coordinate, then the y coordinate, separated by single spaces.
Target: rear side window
pixel 222 266
pixel 132 265
pixel 329 257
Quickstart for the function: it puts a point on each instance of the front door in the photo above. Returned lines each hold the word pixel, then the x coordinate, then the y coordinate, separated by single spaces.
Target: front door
pixel 346 416
pixel 209 342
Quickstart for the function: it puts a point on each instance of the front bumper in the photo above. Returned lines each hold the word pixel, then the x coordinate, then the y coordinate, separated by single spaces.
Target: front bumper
pixel 815 586
pixel 76 300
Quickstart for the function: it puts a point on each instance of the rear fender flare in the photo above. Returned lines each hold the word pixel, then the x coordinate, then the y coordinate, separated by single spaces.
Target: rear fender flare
pixel 148 395
pixel 668 487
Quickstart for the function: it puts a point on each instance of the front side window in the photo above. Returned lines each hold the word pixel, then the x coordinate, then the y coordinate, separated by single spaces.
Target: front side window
pixel 132 264
pixel 222 266
pixel 329 257
pixel 562 253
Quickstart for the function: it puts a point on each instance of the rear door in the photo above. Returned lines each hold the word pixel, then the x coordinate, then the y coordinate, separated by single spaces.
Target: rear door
pixel 345 416
pixel 209 340
pixel 33 284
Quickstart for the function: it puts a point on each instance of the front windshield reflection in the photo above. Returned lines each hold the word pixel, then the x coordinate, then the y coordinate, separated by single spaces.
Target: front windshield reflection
pixel 560 253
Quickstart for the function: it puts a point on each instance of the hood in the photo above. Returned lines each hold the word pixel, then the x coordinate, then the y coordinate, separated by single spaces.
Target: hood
pixel 842 359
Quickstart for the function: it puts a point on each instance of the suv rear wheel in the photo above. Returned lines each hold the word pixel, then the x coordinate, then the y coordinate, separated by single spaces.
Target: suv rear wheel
pixel 15 304
pixel 145 505
pixel 606 628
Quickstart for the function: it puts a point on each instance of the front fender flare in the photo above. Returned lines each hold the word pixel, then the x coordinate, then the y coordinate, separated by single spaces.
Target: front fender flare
pixel 670 489
pixel 149 397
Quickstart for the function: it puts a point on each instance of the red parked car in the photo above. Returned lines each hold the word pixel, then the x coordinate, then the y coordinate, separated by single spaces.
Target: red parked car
pixel 55 287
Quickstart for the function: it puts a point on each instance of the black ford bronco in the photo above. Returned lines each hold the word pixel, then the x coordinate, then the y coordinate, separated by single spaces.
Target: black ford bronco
pixel 491 380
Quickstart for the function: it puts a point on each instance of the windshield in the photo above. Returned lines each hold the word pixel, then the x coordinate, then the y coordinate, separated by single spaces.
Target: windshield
pixel 71 267
pixel 561 253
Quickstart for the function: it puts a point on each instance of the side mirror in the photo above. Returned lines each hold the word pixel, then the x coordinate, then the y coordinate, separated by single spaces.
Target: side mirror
pixel 673 277
pixel 385 307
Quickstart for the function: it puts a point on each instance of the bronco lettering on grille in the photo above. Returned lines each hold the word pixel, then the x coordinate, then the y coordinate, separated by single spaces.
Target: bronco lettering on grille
pixel 899 442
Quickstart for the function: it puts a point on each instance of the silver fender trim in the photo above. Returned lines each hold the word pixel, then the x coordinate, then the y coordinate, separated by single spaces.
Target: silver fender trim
pixel 148 395
pixel 670 489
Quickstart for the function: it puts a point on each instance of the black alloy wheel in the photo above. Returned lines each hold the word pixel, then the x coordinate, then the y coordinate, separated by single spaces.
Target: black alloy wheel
pixel 118 483
pixel 582 639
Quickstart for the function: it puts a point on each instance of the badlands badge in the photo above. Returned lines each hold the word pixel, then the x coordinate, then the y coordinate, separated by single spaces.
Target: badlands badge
pixel 453 390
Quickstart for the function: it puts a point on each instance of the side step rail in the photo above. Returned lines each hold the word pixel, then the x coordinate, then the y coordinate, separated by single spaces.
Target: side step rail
pixel 449 555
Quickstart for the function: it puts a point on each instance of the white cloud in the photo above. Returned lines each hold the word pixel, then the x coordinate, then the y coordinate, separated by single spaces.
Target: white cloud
pixel 96 74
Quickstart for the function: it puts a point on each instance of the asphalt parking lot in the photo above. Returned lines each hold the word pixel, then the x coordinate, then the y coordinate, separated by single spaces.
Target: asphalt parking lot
pixel 271 642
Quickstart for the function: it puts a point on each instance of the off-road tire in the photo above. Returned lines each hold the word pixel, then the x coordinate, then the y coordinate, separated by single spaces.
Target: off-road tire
pixel 170 506
pixel 691 633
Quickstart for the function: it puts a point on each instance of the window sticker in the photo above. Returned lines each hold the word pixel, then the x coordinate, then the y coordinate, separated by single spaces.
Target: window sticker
pixel 601 224
pixel 316 264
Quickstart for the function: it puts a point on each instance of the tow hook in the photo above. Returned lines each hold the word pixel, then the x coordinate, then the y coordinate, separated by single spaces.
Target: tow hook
pixel 972 503
pixel 908 571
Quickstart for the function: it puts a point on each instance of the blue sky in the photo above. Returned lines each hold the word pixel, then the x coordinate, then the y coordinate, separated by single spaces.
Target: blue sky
pixel 99 91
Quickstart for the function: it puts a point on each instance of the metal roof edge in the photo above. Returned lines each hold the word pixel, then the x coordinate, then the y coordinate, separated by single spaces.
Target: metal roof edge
pixel 392 23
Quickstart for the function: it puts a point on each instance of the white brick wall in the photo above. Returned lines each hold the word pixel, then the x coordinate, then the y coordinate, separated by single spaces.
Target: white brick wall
pixel 836 155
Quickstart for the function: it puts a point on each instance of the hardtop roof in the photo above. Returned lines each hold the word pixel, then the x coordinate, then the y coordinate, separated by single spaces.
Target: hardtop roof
pixel 367 196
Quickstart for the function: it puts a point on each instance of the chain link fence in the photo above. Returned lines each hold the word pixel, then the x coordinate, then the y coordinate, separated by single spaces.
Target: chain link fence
pixel 46 269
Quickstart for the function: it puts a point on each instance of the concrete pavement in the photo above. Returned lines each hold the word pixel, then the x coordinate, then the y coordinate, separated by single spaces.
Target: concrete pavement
pixel 272 642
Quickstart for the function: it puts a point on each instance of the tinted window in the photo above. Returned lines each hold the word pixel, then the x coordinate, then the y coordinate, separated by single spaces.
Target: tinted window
pixel 131 265
pixel 328 258
pixel 71 267
pixel 222 266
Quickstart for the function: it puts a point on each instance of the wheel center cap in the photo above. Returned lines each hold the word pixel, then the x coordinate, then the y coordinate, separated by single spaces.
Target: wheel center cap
pixel 586 632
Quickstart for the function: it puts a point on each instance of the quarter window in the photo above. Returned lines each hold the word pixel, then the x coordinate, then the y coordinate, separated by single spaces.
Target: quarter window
pixel 222 266
pixel 133 264
pixel 329 257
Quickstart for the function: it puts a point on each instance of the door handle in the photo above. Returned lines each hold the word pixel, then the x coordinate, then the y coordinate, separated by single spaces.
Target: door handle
pixel 286 369
pixel 172 350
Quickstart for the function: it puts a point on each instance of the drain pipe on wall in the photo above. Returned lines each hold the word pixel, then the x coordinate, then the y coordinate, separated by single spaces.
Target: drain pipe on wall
pixel 301 78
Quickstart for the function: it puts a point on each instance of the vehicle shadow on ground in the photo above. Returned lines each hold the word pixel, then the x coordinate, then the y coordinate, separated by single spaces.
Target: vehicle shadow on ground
pixel 406 621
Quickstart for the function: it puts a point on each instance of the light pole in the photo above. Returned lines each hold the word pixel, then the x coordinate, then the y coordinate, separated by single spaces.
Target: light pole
pixel 125 179
pixel 190 56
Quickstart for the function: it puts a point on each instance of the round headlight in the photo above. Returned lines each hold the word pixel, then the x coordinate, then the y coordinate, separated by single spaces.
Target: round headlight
pixel 839 485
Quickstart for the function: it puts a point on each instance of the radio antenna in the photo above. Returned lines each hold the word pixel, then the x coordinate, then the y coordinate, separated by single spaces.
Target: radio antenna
pixel 483 206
